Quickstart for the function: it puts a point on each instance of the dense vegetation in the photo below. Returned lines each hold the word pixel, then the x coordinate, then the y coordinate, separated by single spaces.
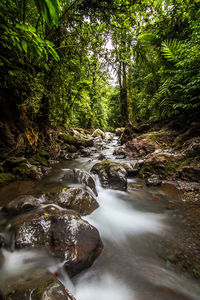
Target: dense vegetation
pixel 97 63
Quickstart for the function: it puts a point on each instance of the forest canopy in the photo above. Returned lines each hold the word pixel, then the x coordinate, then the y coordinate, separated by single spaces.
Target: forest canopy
pixel 99 64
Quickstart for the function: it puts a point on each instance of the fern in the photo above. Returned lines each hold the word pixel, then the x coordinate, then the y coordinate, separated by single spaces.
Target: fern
pixel 170 50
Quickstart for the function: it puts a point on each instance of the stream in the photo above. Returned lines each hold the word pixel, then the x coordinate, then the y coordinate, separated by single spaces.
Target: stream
pixel 131 225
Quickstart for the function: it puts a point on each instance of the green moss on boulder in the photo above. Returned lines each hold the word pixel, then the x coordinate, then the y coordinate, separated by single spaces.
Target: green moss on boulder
pixel 6 178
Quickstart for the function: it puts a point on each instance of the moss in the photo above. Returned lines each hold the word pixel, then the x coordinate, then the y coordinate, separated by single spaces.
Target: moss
pixel 44 153
pixel 1 169
pixel 70 139
pixel 6 178
pixel 23 169
pixel 42 160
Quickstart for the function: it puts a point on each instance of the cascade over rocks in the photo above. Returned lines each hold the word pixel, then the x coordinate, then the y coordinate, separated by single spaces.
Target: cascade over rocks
pixel 63 233
pixel 111 174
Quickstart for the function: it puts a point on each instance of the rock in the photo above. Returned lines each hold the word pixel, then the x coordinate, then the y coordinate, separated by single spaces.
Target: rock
pixel 191 173
pixel 44 153
pixel 70 156
pixel 54 291
pixel 82 177
pixel 23 203
pixel 41 160
pixel 111 174
pixel 63 233
pixel 12 162
pixel 101 156
pixel 84 140
pixel 86 179
pixel 193 149
pixel 119 131
pixel 131 167
pixel 127 134
pixel 26 170
pixel 6 178
pixel 136 148
pixel 182 138
pixel 98 132
pixel 78 200
pixel 153 180
pixel 85 151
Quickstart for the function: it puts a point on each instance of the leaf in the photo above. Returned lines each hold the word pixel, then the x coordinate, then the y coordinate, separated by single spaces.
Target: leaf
pixel 24 46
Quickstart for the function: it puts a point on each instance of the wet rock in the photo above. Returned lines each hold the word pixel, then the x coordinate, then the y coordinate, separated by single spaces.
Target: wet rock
pixel 23 203
pixel 189 173
pixel 101 156
pixel 12 162
pixel 131 167
pixel 26 170
pixel 85 151
pixel 78 200
pixel 86 179
pixel 41 160
pixel 128 134
pixel 136 148
pixel 119 131
pixel 82 139
pixel 98 132
pixel 63 233
pixel 153 180
pixel 82 177
pixel 70 156
pixel 111 174
pixel 6 178
pixel 55 291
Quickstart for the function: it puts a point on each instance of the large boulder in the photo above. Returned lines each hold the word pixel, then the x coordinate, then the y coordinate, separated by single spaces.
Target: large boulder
pixel 82 177
pixel 136 148
pixel 63 233
pixel 111 174
pixel 78 200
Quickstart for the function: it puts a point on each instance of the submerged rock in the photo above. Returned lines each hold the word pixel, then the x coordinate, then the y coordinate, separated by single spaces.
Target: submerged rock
pixel 78 200
pixel 63 233
pixel 111 174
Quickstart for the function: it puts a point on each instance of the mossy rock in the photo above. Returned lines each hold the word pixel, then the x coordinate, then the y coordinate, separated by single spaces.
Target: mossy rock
pixel 70 139
pixel 23 170
pixel 41 160
pixel 44 153
pixel 6 178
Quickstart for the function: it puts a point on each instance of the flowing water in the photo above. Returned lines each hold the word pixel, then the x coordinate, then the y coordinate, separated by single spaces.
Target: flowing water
pixel 131 225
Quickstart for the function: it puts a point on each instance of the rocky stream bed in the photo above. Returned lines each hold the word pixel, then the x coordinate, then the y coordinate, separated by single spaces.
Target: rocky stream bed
pixel 127 207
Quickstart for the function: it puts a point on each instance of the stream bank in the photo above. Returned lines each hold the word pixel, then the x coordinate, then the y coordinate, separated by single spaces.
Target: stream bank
pixel 183 249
